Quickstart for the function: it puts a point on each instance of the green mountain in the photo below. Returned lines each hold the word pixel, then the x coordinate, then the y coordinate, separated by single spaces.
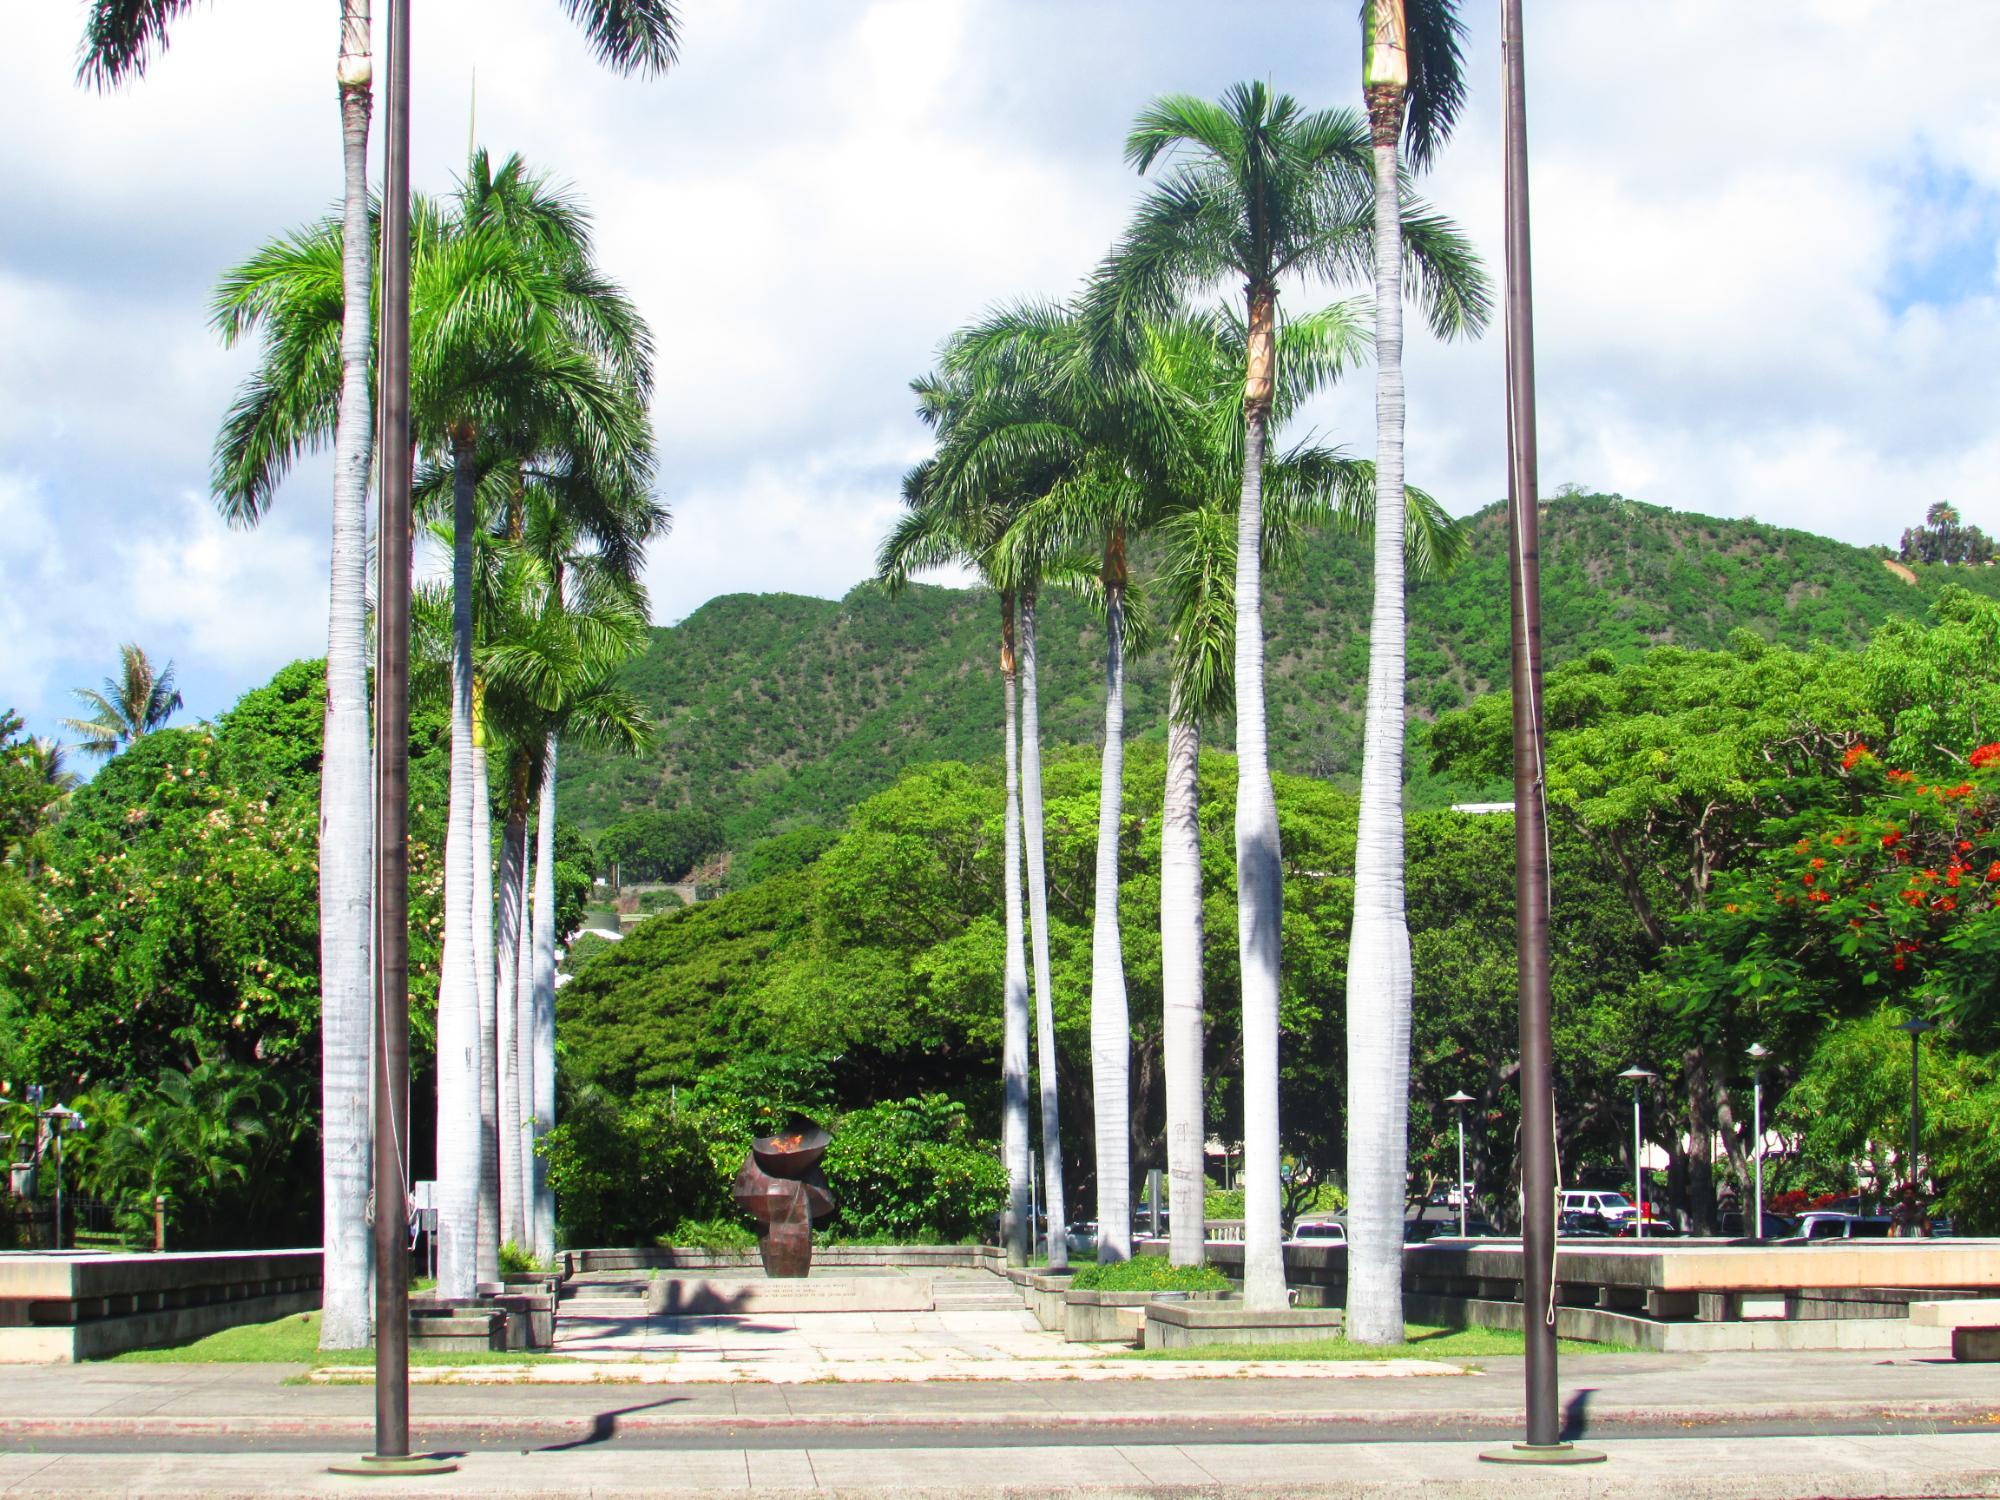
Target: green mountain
pixel 777 710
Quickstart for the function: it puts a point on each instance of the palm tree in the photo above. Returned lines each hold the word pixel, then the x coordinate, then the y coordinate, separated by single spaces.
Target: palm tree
pixel 1263 190
pixel 509 333
pixel 581 372
pixel 131 705
pixel 931 533
pixel 1306 487
pixel 120 38
pixel 591 619
pixel 1412 80
pixel 579 612
pixel 1096 447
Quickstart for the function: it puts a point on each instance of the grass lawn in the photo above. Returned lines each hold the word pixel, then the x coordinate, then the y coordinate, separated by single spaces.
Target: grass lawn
pixel 295 1341
pixel 1420 1342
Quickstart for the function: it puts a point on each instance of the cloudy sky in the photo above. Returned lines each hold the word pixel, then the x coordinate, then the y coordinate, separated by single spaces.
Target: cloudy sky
pixel 1765 267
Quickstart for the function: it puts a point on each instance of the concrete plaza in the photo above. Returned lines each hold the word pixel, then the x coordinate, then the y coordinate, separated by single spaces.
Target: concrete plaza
pixel 973 1399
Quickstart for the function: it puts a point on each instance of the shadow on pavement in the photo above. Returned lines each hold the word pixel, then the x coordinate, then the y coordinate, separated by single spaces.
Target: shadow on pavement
pixel 604 1425
pixel 1576 1415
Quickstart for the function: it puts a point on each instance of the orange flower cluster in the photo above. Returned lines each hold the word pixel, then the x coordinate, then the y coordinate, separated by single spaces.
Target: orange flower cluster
pixel 1986 755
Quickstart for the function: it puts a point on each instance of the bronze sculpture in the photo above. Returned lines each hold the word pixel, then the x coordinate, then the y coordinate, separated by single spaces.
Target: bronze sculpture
pixel 781 1187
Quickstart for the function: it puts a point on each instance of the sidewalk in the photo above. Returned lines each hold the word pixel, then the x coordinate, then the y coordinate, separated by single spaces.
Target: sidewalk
pixel 1657 1469
pixel 1601 1393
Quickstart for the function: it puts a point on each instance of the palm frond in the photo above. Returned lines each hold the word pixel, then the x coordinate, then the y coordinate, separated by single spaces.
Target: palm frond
pixel 1436 91
pixel 120 38
pixel 629 35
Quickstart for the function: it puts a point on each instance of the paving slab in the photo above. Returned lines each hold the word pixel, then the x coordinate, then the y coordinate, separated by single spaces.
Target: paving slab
pixel 1658 1469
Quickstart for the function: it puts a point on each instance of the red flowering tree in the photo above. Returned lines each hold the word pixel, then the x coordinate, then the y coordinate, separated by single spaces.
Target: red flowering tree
pixel 1891 891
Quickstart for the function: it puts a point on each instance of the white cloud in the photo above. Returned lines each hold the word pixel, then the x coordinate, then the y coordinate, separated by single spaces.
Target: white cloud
pixel 1766 270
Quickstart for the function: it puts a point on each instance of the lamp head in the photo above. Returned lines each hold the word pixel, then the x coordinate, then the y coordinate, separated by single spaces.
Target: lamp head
pixel 1461 1099
pixel 1635 1075
pixel 1916 1026
pixel 1756 1051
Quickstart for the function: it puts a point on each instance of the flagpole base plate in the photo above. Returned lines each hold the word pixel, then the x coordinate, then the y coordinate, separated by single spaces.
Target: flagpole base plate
pixel 401 1466
pixel 1543 1453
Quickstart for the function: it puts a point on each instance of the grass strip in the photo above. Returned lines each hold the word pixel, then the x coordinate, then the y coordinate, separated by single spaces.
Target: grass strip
pixel 1420 1341
pixel 294 1340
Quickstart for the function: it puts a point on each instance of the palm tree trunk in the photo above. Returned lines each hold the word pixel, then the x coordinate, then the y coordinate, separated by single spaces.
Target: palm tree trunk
pixel 1260 883
pixel 458 1006
pixel 543 1199
pixel 507 944
pixel 1378 964
pixel 1180 984
pixel 1055 1205
pixel 1014 1002
pixel 1110 1016
pixel 346 821
pixel 524 1030
pixel 487 1257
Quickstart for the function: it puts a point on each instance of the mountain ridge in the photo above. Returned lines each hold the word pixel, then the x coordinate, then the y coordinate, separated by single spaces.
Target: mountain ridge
pixel 777 710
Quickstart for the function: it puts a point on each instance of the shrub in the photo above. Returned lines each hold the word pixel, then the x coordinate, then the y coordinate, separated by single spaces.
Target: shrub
pixel 716 1235
pixel 623 1172
pixel 908 1168
pixel 1149 1273
pixel 515 1261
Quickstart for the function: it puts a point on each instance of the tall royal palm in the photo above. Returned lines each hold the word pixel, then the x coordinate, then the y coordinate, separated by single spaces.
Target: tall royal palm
pixel 1305 487
pixel 1099 442
pixel 587 615
pixel 120 37
pixel 1411 76
pixel 949 520
pixel 1004 445
pixel 576 377
pixel 1260 189
pixel 130 706
pixel 504 335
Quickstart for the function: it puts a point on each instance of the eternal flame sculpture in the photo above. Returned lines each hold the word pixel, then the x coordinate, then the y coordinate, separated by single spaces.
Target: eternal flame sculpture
pixel 781 1187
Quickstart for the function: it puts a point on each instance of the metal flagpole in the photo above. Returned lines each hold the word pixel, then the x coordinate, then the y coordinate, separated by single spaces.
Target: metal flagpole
pixel 1531 850
pixel 394 458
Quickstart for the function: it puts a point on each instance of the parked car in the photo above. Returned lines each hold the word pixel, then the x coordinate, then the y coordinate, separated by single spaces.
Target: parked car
pixel 1824 1224
pixel 1318 1232
pixel 1776 1226
pixel 1573 1223
pixel 1600 1201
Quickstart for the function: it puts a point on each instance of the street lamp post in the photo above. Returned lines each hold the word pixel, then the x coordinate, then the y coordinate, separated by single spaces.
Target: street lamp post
pixel 1757 1052
pixel 1637 1075
pixel 60 1119
pixel 1915 1027
pixel 1459 1100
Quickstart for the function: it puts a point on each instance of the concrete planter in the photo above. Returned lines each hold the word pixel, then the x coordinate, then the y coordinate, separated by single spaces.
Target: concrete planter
pixel 460 1330
pixel 1094 1317
pixel 1225 1320
pixel 1044 1296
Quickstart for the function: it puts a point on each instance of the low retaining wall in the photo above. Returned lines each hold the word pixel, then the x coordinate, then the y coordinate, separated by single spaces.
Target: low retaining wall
pixel 57 1309
pixel 1709 1296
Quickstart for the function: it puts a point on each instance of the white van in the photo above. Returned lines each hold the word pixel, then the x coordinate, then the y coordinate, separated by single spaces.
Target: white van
pixel 1599 1201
